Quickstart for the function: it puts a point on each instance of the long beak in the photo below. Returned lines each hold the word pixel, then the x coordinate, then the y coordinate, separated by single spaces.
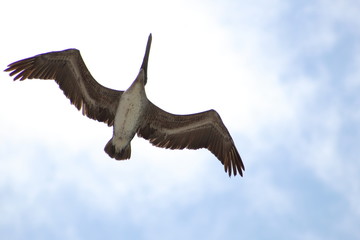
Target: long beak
pixel 144 64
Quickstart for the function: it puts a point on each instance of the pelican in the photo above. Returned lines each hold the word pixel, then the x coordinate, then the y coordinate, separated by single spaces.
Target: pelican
pixel 130 112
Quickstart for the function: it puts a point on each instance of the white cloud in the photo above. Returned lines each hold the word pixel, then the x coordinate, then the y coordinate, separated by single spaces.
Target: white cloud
pixel 51 149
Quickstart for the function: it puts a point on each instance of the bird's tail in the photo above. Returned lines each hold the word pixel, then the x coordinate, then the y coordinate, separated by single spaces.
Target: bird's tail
pixel 118 155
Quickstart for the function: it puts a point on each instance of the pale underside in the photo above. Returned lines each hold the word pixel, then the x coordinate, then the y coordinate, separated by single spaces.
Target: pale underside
pixel 129 114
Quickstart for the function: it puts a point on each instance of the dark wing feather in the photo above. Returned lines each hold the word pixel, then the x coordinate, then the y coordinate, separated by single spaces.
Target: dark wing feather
pixel 194 131
pixel 68 69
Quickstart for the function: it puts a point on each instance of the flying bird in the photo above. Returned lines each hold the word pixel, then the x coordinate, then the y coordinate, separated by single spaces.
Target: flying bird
pixel 130 112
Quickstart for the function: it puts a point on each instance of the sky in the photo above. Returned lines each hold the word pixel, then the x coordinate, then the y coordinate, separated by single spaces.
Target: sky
pixel 283 75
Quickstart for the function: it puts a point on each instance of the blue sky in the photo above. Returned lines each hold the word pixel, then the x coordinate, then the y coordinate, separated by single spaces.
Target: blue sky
pixel 284 76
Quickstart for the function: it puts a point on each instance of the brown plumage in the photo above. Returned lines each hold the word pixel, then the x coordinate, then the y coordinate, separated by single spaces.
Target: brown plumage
pixel 116 108
pixel 68 69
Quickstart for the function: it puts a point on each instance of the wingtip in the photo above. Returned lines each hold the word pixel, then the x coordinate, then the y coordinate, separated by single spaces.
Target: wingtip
pixel 10 67
pixel 233 163
pixel 7 69
pixel 12 71
pixel 233 174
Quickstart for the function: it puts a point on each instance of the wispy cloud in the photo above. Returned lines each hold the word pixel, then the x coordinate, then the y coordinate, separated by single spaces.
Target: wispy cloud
pixel 283 67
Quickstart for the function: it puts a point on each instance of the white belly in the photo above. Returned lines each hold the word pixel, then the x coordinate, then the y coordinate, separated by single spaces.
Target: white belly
pixel 127 118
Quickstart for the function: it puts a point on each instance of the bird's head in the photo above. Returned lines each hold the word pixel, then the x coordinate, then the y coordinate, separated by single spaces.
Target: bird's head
pixel 144 64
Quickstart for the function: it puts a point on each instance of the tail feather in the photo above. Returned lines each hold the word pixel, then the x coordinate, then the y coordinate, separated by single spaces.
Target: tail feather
pixel 118 155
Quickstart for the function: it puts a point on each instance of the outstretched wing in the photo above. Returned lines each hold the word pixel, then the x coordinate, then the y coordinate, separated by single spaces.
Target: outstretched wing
pixel 194 131
pixel 68 69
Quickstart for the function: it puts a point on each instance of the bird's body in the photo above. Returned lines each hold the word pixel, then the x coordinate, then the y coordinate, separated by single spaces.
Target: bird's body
pixel 130 112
